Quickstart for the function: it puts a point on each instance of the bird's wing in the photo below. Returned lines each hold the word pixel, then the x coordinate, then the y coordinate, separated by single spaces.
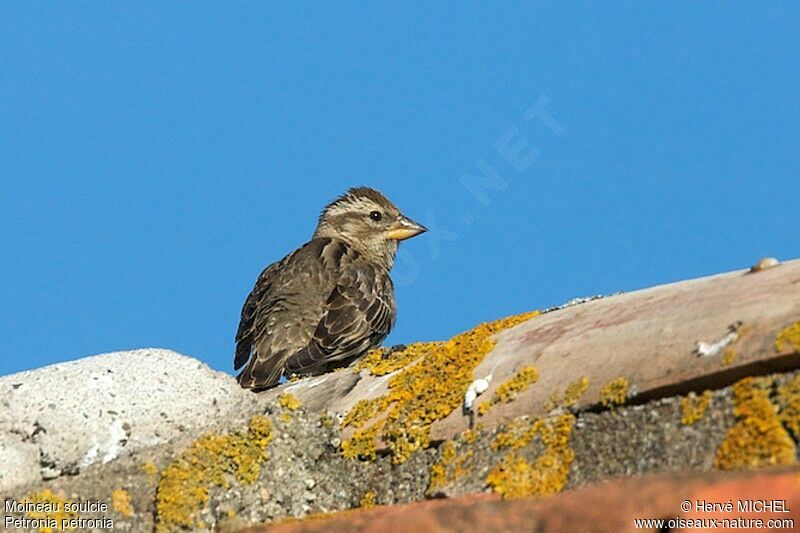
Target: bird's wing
pixel 358 315
pixel 283 309
pixel 274 322
pixel 245 335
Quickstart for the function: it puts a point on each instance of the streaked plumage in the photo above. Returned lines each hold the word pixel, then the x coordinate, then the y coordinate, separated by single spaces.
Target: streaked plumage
pixel 331 300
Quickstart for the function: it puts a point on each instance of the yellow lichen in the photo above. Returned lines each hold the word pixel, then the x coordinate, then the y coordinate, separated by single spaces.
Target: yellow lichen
pixel 448 452
pixel 789 339
pixel 728 356
pixel 361 445
pixel 515 477
pixel 518 434
pixel 614 392
pixel 694 407
pixel 423 393
pixel 368 500
pixel 509 389
pixel 121 502
pixel 285 417
pixel 289 401
pixel 449 467
pixel 459 468
pixel 574 391
pixel 362 412
pixel 212 460
pixel 382 361
pixel 152 472
pixel 469 436
pixel 372 357
pixel 553 402
pixel 438 472
pixel 789 404
pixel 53 508
pixel 326 421
pixel 758 438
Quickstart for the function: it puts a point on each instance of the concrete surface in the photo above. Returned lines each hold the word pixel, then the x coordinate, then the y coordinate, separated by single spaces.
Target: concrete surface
pixel 305 473
pixel 62 418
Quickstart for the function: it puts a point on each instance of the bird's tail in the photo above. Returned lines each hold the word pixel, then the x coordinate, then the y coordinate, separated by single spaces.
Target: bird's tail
pixel 261 374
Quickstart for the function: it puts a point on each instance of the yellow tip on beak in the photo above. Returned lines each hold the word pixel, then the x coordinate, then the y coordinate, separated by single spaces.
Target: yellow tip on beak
pixel 405 228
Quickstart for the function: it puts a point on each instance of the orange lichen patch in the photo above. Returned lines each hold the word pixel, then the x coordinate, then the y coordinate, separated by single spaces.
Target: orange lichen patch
pixel 469 436
pixel 362 412
pixel 121 502
pixel 459 468
pixel 694 407
pixel 326 421
pixel 758 438
pixel 508 390
pixel 483 408
pixel 382 361
pixel 49 507
pixel 614 392
pixel 289 401
pixel 423 393
pixel 518 434
pixel 553 402
pixel 789 405
pixel 515 477
pixel 368 500
pixel 728 356
pixel 574 391
pixel 449 467
pixel 152 472
pixel 212 460
pixel 789 339
pixel 372 358
pixel 438 473
pixel 361 445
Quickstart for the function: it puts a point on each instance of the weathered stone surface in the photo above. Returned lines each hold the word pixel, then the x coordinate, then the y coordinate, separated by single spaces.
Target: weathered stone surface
pixel 305 474
pixel 612 507
pixel 62 418
pixel 649 337
pixel 19 461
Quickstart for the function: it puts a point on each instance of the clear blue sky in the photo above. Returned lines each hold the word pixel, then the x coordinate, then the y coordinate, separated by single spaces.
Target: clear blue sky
pixel 154 159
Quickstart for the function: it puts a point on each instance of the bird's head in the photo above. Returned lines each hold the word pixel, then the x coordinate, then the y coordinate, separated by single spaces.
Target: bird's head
pixel 368 222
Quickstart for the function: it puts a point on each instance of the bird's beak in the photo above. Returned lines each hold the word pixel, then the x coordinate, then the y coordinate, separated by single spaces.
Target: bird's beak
pixel 404 228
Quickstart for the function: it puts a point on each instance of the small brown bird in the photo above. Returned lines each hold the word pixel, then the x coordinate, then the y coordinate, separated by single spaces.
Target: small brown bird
pixel 328 302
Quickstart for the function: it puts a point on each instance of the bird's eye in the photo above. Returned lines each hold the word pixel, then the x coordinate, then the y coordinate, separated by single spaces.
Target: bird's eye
pixel 376 216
